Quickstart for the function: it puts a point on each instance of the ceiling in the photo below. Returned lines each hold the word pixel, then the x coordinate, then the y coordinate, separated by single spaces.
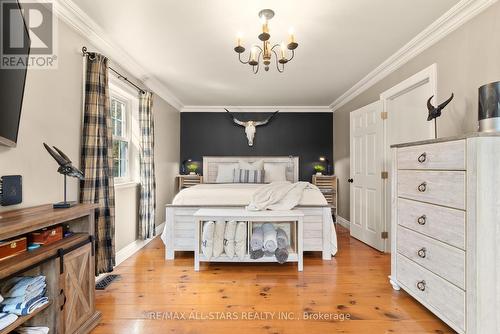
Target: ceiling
pixel 188 45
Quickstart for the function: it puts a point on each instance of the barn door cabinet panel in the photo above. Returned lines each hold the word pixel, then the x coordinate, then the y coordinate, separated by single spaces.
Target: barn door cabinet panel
pixel 67 264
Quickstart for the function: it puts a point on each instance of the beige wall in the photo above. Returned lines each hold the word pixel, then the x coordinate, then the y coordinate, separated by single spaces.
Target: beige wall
pixel 466 59
pixel 52 113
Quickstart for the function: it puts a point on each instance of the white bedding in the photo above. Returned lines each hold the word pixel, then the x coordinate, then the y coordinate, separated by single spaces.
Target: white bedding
pixel 239 194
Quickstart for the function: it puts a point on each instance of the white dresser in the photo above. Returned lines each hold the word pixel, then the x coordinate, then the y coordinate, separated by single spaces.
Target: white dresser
pixel 446 228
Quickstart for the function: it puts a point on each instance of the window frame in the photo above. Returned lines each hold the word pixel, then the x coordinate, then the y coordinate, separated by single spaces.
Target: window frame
pixel 123 94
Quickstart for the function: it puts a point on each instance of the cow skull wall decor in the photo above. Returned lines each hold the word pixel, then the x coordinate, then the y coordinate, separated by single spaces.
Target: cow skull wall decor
pixel 251 126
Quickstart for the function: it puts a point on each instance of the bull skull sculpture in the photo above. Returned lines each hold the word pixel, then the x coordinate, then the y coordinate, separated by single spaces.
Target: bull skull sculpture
pixel 251 126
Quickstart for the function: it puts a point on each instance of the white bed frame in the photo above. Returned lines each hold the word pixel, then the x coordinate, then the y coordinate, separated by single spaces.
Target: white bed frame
pixel 180 227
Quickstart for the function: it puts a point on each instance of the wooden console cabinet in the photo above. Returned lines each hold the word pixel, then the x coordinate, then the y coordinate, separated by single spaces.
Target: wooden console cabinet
pixel 68 265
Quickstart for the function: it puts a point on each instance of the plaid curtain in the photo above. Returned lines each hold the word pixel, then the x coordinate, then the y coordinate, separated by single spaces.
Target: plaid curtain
pixel 147 167
pixel 96 160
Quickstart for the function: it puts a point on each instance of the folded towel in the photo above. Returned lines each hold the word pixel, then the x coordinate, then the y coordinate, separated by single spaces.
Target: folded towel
pixel 6 319
pixel 240 240
pixel 19 286
pixel 26 307
pixel 257 241
pixel 32 330
pixel 270 243
pixel 281 255
pixel 281 238
pixel 220 226
pixel 268 253
pixel 256 254
pixel 207 240
pixel 229 238
pixel 26 297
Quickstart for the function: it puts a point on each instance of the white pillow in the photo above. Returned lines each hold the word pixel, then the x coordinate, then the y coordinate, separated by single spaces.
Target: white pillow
pixel 274 172
pixel 220 226
pixel 207 239
pixel 229 234
pixel 225 173
pixel 257 165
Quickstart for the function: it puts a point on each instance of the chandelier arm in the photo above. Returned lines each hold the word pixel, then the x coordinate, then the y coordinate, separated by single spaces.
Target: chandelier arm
pixel 243 62
pixel 277 63
pixel 293 54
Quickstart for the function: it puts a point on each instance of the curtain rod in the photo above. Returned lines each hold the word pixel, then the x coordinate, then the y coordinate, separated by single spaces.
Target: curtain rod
pixel 85 53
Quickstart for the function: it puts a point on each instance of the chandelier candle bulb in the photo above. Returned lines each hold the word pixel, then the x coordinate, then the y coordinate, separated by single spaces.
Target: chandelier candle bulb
pixel 239 37
pixel 283 50
pixel 291 38
pixel 253 53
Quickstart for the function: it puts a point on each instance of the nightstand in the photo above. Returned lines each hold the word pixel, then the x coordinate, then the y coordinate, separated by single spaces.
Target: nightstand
pixel 186 181
pixel 327 184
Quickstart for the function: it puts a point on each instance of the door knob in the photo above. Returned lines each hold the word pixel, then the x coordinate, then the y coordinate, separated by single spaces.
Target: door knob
pixel 350 180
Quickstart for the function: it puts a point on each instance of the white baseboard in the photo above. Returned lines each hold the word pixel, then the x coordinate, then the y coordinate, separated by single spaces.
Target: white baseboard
pixel 343 222
pixel 135 246
pixel 132 248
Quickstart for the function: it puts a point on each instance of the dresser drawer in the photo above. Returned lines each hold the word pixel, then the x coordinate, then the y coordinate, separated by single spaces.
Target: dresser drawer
pixel 443 260
pixel 445 156
pixel 447 225
pixel 442 188
pixel 439 295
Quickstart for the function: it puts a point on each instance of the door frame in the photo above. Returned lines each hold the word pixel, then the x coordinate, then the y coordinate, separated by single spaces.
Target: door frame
pixel 427 75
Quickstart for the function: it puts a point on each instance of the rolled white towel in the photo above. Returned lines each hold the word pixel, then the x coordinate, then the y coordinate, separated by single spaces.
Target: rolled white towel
pixel 207 240
pixel 257 240
pixel 220 226
pixel 270 243
pixel 229 238
pixel 32 330
pixel 240 240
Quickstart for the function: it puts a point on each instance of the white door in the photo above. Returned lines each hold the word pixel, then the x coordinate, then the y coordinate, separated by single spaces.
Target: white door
pixel 367 151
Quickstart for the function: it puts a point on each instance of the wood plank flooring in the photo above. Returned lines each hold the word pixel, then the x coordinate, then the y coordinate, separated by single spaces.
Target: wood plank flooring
pixel 350 294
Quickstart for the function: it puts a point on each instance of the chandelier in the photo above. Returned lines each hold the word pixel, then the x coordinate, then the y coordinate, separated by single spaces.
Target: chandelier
pixel 265 53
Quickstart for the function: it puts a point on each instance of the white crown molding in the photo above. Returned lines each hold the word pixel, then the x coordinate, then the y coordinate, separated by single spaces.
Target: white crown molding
pixel 77 19
pixel 325 109
pixel 459 14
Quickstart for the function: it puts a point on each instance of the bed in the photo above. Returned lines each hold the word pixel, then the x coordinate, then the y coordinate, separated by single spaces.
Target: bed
pixel 179 233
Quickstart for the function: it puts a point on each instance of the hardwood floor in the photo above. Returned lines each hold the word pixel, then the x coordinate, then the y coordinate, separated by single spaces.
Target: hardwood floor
pixel 153 295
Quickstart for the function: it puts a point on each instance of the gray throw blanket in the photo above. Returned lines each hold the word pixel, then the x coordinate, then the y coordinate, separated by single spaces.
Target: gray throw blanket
pixel 256 254
pixel 270 243
pixel 281 255
pixel 282 251
pixel 281 238
pixel 257 241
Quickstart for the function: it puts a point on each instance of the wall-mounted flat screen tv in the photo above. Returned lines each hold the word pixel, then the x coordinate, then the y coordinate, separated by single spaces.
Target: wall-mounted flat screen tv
pixel 12 80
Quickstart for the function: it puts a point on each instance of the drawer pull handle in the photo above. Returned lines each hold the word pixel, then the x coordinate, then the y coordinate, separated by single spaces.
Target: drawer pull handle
pixel 422 157
pixel 13 245
pixel 422 187
pixel 422 252
pixel 422 220
pixel 421 285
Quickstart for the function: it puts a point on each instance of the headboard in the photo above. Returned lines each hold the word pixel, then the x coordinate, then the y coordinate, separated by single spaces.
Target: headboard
pixel 210 165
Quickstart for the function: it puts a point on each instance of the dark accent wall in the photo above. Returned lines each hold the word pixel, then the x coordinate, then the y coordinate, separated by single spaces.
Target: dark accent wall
pixel 307 135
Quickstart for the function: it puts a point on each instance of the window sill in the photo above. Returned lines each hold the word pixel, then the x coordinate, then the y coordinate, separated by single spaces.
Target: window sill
pixel 126 184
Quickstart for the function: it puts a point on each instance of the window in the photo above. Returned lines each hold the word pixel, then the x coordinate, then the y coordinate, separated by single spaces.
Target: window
pixel 121 137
